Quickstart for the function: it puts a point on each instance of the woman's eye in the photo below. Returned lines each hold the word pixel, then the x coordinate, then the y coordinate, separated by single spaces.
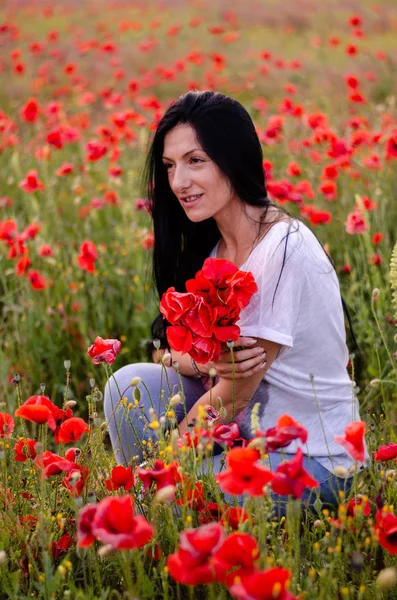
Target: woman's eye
pixel 196 160
pixel 167 166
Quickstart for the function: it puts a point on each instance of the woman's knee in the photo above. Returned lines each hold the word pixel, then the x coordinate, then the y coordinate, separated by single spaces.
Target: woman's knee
pixel 119 386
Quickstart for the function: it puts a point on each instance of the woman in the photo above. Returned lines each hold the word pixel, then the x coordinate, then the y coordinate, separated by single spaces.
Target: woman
pixel 205 178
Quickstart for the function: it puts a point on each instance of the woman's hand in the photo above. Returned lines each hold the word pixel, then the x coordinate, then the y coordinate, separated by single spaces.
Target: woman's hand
pixel 247 361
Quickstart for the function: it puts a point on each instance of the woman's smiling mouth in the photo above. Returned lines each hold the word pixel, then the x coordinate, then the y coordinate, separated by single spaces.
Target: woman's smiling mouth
pixel 191 200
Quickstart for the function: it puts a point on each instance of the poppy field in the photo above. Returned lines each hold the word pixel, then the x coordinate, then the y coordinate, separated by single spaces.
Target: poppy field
pixel 82 87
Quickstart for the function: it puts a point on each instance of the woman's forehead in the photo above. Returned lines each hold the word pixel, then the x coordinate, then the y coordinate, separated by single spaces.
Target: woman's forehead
pixel 180 139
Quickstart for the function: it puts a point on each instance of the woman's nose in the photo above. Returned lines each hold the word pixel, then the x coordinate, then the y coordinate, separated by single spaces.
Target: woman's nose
pixel 181 179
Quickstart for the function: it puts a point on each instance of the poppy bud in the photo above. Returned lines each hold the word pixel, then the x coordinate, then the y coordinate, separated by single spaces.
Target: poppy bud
pixel 3 557
pixel 70 404
pixel 387 578
pixel 258 442
pixel 135 381
pixel 375 295
pixel 212 372
pixel 175 400
pixel 318 523
pixel 165 494
pixel 166 359
pixel 340 471
pixel 105 550
pixel 374 383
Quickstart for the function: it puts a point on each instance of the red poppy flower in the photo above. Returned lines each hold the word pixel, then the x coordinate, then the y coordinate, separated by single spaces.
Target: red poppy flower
pixel 355 223
pixel 353 440
pixel 6 425
pixel 225 434
pixel 121 477
pixel 65 169
pixel 194 498
pixel 71 430
pixel 31 183
pixel 52 464
pixel 243 475
pixel 352 81
pixel 85 536
pixel 104 350
pixel 30 111
pixel 235 558
pixel 191 439
pixel 391 146
pixel 329 189
pixel 40 409
pixel 192 563
pixel 180 339
pixel 367 204
pixel 174 305
pixel 232 516
pixel 95 150
pixel 88 254
pixel 55 138
pixel 285 431
pixel 58 548
pixel 161 474
pixel 200 318
pixel 75 479
pixel 294 169
pixel 375 259
pixel 30 231
pixel 45 250
pixel 22 265
pixel 263 585
pixel 330 172
pixel 386 530
pixel 320 217
pixel 73 454
pixel 37 281
pixel 347 269
pixel 355 21
pixel 364 507
pixel 291 478
pixel 25 448
pixel 377 238
pixel 8 229
pixel 385 452
pixel 351 49
pixel 114 523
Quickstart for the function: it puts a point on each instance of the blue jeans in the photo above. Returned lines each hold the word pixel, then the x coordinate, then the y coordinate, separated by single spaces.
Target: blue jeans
pixel 128 424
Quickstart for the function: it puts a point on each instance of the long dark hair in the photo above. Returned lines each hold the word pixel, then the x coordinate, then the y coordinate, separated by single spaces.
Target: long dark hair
pixel 226 132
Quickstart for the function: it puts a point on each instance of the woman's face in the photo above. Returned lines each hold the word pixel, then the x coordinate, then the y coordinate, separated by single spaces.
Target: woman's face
pixel 192 173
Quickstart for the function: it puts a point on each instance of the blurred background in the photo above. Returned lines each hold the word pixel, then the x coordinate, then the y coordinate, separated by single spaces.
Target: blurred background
pixel 82 87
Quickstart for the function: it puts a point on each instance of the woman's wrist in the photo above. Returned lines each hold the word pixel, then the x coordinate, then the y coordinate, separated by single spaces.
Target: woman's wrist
pixel 196 369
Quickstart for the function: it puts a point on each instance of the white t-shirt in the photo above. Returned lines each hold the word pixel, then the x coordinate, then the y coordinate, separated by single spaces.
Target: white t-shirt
pixel 308 380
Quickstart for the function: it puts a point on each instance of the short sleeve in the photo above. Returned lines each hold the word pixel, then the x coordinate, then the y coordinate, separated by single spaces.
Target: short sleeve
pixel 275 264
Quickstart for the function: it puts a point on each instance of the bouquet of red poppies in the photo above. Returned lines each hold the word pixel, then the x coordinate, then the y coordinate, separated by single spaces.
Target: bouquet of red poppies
pixel 206 314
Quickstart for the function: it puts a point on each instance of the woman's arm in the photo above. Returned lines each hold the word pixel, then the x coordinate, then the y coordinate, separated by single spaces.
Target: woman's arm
pixel 244 389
